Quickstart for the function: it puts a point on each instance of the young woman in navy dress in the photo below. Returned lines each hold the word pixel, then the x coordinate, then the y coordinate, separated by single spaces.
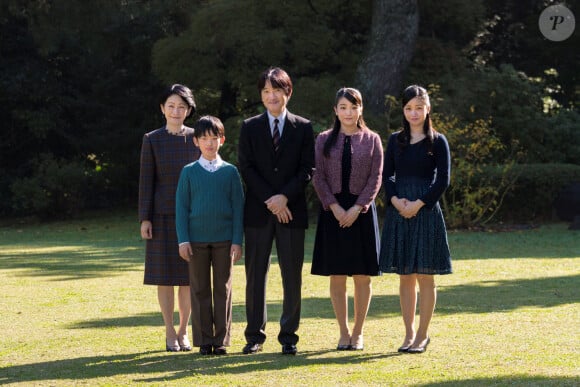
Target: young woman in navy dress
pixel 414 239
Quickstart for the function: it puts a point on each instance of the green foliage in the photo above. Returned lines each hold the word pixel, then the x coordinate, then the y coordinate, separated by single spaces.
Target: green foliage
pixel 229 43
pixel 535 190
pixel 58 188
pixel 514 105
pixel 510 35
pixel 82 78
pixel 472 199
pixel 455 21
pixel 75 80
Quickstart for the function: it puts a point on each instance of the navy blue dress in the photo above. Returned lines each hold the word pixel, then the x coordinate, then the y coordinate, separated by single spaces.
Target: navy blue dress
pixel 417 245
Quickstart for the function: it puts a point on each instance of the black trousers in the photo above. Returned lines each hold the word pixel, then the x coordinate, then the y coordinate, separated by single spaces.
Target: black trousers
pixel 290 249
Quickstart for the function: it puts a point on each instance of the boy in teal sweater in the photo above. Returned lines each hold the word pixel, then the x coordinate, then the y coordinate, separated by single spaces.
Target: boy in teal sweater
pixel 209 221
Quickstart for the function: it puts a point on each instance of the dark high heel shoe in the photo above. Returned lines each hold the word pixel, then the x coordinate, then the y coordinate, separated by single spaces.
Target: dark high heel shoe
pixel 184 343
pixel 173 346
pixel 420 349
pixel 344 347
pixel 358 344
pixel 405 348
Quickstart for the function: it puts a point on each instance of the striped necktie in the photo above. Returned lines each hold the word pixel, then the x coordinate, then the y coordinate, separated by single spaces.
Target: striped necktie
pixel 276 136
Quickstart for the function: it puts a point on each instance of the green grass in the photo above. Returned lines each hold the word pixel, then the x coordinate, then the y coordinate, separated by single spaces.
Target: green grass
pixel 74 312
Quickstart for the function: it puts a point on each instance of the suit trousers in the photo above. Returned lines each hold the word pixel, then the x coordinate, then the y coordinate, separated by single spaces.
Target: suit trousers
pixel 211 323
pixel 290 249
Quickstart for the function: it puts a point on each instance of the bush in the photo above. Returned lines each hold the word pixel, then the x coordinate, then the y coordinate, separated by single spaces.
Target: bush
pixel 57 188
pixel 472 199
pixel 535 190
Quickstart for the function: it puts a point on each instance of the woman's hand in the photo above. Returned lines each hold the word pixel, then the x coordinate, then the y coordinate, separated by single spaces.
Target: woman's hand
pixel 411 208
pixel 337 211
pixel 350 216
pixel 146 229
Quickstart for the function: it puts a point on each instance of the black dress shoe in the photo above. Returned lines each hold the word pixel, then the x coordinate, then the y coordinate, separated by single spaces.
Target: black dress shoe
pixel 289 349
pixel 404 349
pixel 421 348
pixel 205 349
pixel 252 348
pixel 343 347
pixel 219 350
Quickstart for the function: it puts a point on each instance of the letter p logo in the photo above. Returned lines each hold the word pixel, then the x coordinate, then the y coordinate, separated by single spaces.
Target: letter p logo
pixel 557 23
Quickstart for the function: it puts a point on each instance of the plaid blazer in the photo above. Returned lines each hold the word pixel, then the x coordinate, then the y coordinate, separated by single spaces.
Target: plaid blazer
pixel 163 155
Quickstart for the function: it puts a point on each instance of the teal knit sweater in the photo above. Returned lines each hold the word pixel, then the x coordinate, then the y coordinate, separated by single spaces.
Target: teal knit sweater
pixel 209 205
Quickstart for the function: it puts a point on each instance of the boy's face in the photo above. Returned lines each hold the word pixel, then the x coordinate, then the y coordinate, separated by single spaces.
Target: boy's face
pixel 274 99
pixel 209 144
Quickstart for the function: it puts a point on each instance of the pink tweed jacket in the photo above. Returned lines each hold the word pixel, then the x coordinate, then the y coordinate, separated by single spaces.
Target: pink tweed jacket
pixel 366 173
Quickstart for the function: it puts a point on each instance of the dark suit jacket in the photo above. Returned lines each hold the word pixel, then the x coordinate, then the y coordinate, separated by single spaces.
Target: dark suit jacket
pixel 266 172
pixel 163 155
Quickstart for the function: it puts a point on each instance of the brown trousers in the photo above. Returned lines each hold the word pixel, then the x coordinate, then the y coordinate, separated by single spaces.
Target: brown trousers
pixel 211 322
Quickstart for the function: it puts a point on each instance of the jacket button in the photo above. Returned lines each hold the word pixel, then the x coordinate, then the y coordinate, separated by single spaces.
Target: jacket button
pixel 275 169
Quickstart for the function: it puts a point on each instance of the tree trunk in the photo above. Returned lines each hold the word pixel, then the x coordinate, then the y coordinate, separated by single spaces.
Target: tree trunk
pixel 394 30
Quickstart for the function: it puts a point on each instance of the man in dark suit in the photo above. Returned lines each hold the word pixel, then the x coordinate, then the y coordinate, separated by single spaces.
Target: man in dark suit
pixel 276 161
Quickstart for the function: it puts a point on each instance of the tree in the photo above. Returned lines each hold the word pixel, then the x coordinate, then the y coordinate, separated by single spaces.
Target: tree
pixel 229 43
pixel 394 30
pixel 76 88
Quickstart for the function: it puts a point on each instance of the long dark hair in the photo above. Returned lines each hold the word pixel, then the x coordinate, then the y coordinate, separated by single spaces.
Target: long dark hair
pixel 404 137
pixel 353 96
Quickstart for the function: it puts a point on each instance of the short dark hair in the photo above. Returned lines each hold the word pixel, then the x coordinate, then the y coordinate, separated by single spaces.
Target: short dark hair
pixel 278 78
pixel 208 125
pixel 182 91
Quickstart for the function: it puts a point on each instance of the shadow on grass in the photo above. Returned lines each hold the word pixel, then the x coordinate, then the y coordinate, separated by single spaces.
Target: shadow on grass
pixel 163 368
pixel 494 296
pixel 172 366
pixel 480 297
pixel 512 380
pixel 73 261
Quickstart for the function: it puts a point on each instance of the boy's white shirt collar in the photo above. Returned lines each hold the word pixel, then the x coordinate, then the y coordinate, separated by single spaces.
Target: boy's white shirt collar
pixel 211 166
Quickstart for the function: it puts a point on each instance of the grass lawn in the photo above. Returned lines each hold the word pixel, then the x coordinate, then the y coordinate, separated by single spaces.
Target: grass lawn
pixel 74 312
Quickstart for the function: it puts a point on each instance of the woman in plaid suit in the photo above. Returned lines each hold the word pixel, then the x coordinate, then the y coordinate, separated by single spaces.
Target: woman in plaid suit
pixel 164 152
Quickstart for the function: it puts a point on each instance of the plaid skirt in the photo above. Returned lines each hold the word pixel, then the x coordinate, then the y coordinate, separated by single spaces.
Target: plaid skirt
pixel 163 265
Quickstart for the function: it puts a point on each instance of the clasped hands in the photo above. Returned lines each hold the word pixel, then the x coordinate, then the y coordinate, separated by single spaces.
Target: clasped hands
pixel 344 217
pixel 278 205
pixel 407 208
pixel 186 253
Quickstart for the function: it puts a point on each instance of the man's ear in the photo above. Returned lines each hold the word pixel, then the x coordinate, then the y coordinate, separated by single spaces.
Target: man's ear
pixel 222 140
pixel 196 142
